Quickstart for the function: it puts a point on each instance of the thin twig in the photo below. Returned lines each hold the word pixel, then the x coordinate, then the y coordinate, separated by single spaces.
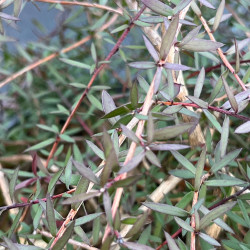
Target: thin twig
pixel 220 52
pixel 223 111
pixel 93 5
pixel 192 243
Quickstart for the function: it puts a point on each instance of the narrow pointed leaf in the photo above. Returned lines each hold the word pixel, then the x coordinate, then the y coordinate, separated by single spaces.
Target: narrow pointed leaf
pixel 213 120
pixel 13 183
pixel 198 101
pixel 130 134
pixel 165 147
pixel 171 242
pixel 87 218
pixel 134 162
pixel 10 245
pixel 190 36
pixel 136 246
pixel 136 228
pixel 199 45
pixel 108 106
pixel 217 88
pixel 153 158
pixel 151 49
pixel 172 131
pixel 183 224
pixel 180 6
pixel 142 65
pixel 237 58
pixel 8 17
pixel 54 179
pixel 199 83
pixel 17 7
pixel 157 79
pixel 174 66
pixel 225 160
pixel 230 96
pixel 223 18
pixel 199 169
pixel 215 213
pixel 96 150
pixel 75 63
pixel 150 128
pixel 207 3
pixel 15 223
pixel 134 95
pixel 218 15
pixel 41 145
pixel 65 237
pixel 243 128
pixel 158 7
pixel 86 172
pixel 209 239
pixel 166 209
pixel 127 181
pixel 225 183
pixel 107 208
pixel 81 197
pixel 50 215
pixel 168 38
pixel 184 161
pixel 224 137
pixel 241 45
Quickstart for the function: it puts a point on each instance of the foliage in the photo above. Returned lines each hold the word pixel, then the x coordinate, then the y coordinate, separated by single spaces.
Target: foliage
pixel 130 132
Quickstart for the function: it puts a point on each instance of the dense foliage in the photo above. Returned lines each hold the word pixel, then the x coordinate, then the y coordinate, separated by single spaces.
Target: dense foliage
pixel 127 127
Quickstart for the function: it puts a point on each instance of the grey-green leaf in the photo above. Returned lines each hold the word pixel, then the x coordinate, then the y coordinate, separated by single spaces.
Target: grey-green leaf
pixel 50 216
pixel 142 65
pixel 158 7
pixel 224 137
pixel 165 147
pixel 215 213
pixel 54 179
pixel 166 209
pixel 96 150
pixel 171 243
pixel 87 218
pixel 65 237
pixel 213 120
pixel 168 38
pixel 243 128
pixel 199 169
pixel 151 49
pixel 209 239
pixel 190 36
pixel 86 172
pixel 218 15
pixel 230 96
pixel 81 197
pixel 172 131
pixel 13 183
pixel 199 83
pixel 184 161
pixel 183 224
pixel 225 160
pixel 134 95
pixel 130 134
pixel 140 222
pixel 198 101
pixel 41 145
pixel 153 158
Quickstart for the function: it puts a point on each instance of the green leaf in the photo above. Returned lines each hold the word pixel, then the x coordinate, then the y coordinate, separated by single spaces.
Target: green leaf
pixel 54 179
pixel 13 183
pixel 134 95
pixel 150 128
pixel 199 83
pixel 142 65
pixel 199 169
pixel 184 161
pixel 140 222
pixel 199 45
pixel 243 128
pixel 134 162
pixel 224 137
pixel 50 216
pixel 95 102
pixel 15 223
pixel 87 218
pixel 151 49
pixel 143 83
pixel 213 120
pixel 65 237
pixel 215 213
pixel 218 15
pixel 75 63
pixel 225 183
pixel 190 36
pixel 183 224
pixel 153 158
pixel 244 211
pixel 17 7
pixel 171 242
pixel 230 96
pixel 180 6
pixel 120 28
pixel 41 145
pixel 108 106
pixel 225 160
pixel 130 134
pixel 86 172
pixel 168 38
pixel 81 197
pixel 237 58
pixel 96 150
pixel 209 239
pixel 166 209
pixel 107 208
pixel 158 7
pixel 52 129
pixel 127 181
pixel 172 131
pixel 67 138
pixel 198 101
pixel 93 52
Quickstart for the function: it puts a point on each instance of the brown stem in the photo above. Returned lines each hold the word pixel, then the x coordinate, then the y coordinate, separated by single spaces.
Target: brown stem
pixel 195 199
pixel 220 52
